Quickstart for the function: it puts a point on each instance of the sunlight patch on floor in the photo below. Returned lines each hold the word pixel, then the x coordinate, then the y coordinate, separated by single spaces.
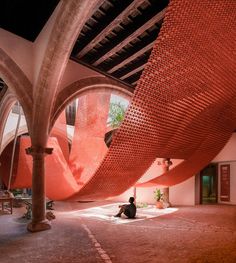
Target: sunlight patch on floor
pixel 107 212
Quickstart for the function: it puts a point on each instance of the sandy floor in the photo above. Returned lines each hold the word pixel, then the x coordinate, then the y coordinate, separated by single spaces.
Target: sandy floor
pixel 88 232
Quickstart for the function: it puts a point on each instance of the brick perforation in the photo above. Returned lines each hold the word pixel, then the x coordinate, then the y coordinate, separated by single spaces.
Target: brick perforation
pixel 183 104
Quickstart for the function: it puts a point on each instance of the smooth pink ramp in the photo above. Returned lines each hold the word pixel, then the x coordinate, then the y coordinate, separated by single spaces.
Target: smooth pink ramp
pixel 88 145
pixel 60 182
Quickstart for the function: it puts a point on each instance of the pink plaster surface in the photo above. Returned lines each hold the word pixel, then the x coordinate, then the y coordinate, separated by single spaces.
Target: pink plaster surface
pixel 59 179
pixel 64 179
pixel 88 146
pixel 23 177
pixel 59 131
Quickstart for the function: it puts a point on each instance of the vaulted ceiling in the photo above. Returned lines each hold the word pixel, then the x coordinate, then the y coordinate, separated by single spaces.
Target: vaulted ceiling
pixel 116 40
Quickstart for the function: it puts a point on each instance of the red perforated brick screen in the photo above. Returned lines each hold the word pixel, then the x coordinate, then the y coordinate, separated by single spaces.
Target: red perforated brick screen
pixel 184 103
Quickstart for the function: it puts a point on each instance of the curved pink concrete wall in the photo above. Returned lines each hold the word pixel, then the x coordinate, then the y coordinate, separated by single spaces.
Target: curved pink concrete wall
pixel 88 145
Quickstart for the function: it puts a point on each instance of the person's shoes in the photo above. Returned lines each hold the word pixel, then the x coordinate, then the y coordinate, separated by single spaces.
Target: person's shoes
pixel 118 215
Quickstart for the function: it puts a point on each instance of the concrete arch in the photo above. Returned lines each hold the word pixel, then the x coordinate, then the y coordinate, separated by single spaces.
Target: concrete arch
pixel 11 135
pixel 92 84
pixel 5 107
pixel 70 18
pixel 22 130
pixel 17 83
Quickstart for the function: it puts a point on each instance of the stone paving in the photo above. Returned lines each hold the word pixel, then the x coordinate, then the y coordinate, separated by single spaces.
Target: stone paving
pixel 88 232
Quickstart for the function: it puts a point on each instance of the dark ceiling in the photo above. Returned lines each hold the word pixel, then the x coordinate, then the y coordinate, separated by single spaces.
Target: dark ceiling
pixel 26 18
pixel 116 40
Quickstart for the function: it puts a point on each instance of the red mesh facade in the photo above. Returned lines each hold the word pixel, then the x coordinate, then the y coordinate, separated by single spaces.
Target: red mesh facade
pixel 182 104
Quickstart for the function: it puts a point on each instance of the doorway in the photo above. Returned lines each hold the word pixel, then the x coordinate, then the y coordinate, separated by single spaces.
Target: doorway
pixel 209 184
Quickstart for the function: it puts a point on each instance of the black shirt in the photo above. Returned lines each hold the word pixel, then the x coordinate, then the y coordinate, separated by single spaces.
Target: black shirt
pixel 130 210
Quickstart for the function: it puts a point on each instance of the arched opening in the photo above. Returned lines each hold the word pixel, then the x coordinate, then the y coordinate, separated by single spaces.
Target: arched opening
pixel 15 126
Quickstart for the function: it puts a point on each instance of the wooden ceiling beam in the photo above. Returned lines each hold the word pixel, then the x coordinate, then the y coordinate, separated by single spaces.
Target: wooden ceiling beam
pixel 123 15
pixel 134 83
pixel 132 72
pixel 157 18
pixel 129 59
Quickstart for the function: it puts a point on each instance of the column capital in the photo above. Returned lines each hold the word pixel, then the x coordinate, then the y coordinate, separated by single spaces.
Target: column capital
pixel 38 151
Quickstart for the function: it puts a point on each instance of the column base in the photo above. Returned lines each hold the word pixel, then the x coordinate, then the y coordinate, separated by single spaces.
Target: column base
pixel 39 226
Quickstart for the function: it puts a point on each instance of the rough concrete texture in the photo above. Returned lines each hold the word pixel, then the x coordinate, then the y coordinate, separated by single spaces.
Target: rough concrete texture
pixel 87 232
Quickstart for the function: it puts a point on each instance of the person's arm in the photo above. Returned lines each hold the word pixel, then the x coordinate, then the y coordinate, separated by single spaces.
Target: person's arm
pixel 124 205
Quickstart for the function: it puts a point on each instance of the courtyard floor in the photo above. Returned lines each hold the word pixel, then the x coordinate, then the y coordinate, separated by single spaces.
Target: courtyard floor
pixel 88 233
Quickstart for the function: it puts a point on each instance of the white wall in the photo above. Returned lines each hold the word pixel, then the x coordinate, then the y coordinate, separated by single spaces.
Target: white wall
pixel 143 195
pixel 228 153
pixel 228 156
pixel 183 193
pixel 12 122
pixel 146 194
pixel 75 71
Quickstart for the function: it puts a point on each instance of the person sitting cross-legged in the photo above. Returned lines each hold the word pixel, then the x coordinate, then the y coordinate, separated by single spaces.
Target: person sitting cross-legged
pixel 128 209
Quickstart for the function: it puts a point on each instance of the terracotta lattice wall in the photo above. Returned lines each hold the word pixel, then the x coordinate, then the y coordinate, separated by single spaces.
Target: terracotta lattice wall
pixel 184 104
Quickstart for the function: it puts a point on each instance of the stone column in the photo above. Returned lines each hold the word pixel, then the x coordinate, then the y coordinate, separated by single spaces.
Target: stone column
pixel 165 164
pixel 39 222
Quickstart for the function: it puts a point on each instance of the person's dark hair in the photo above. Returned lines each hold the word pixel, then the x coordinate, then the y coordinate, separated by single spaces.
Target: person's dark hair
pixel 131 199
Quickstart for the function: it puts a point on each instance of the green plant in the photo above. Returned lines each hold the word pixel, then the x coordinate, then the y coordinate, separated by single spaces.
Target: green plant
pixel 158 195
pixel 116 114
pixel 141 205
pixel 17 192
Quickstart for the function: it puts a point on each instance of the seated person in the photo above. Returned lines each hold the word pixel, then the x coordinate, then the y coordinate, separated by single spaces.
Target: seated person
pixel 128 209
